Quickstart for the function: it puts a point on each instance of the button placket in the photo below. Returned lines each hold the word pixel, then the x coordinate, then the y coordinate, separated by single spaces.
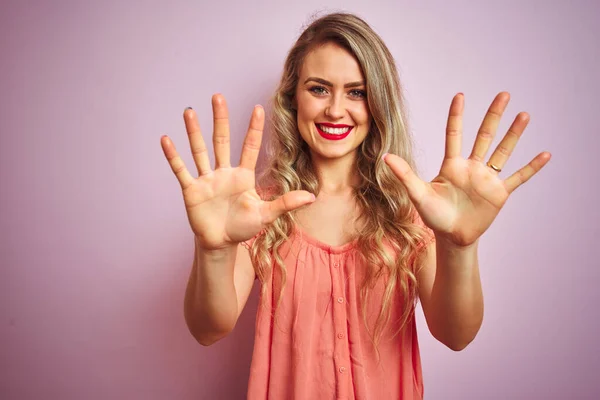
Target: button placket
pixel 341 350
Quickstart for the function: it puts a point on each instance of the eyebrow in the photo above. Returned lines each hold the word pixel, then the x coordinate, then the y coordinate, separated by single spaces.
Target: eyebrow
pixel 327 83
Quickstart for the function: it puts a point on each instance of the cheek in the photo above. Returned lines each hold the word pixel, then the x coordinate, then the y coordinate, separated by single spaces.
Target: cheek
pixel 304 116
pixel 308 107
pixel 361 115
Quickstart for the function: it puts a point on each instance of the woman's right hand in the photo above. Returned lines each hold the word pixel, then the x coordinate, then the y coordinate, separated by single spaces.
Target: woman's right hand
pixel 222 205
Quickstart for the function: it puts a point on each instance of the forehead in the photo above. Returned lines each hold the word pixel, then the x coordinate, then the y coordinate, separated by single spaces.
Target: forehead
pixel 333 63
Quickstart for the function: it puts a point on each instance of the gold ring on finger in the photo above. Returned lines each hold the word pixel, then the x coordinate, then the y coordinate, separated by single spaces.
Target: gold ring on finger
pixel 495 168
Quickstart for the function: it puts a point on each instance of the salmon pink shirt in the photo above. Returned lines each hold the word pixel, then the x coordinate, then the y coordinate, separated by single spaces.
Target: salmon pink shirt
pixel 317 346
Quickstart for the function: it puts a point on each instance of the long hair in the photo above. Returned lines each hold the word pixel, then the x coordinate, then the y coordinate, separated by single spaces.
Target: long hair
pixel 386 213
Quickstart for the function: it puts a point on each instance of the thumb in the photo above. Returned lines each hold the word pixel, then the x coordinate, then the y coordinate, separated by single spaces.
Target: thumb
pixel 271 210
pixel 414 185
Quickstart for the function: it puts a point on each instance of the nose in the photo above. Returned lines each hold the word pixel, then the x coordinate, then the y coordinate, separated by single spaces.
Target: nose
pixel 335 108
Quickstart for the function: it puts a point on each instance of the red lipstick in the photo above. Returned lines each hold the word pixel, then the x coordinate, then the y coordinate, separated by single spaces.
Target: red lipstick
pixel 327 124
pixel 333 136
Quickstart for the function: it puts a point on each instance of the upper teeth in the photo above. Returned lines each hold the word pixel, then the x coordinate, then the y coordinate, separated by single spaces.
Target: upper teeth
pixel 334 131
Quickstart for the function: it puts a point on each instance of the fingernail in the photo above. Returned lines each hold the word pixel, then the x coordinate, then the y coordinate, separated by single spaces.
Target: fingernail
pixel 383 156
pixel 188 108
pixel 313 196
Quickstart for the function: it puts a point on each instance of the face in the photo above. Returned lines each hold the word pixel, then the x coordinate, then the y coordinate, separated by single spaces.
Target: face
pixel 331 100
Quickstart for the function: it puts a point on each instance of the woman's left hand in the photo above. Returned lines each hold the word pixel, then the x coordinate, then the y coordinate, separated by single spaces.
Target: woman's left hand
pixel 464 199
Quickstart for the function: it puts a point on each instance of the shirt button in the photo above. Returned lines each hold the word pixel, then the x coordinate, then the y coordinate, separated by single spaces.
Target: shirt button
pixel 342 370
pixel 340 335
pixel 336 264
pixel 340 300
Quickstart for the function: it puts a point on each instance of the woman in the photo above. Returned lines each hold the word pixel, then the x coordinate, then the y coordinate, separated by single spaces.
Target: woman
pixel 344 237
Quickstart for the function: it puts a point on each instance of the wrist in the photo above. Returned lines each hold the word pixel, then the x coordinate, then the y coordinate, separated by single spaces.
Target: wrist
pixel 449 244
pixel 214 253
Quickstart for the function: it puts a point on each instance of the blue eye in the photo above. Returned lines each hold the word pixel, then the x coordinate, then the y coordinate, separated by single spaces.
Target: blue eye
pixel 319 90
pixel 361 94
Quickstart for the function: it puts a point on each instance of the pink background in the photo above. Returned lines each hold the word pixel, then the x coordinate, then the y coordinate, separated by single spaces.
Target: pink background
pixel 96 249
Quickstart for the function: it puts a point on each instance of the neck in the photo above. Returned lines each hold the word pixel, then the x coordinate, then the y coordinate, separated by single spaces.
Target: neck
pixel 336 176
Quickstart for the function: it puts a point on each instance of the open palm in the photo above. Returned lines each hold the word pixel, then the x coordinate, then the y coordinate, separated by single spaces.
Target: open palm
pixel 467 195
pixel 222 205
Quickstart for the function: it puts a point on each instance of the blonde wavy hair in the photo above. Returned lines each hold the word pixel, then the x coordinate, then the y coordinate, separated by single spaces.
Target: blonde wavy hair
pixel 386 213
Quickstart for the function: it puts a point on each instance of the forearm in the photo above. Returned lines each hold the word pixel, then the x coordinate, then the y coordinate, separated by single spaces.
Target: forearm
pixel 457 297
pixel 210 305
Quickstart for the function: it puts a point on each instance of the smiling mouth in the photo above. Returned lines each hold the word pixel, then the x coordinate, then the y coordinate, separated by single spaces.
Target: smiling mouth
pixel 330 130
pixel 333 132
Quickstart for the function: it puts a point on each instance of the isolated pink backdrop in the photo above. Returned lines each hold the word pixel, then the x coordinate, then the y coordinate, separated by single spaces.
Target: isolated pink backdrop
pixel 95 246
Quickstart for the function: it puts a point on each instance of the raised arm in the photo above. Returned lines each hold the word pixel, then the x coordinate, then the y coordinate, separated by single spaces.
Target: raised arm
pixel 223 210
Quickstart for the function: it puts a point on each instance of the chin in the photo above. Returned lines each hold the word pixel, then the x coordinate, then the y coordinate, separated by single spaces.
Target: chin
pixel 334 154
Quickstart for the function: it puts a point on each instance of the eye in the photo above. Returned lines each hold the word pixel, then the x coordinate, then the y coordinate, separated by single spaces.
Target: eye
pixel 358 93
pixel 318 90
